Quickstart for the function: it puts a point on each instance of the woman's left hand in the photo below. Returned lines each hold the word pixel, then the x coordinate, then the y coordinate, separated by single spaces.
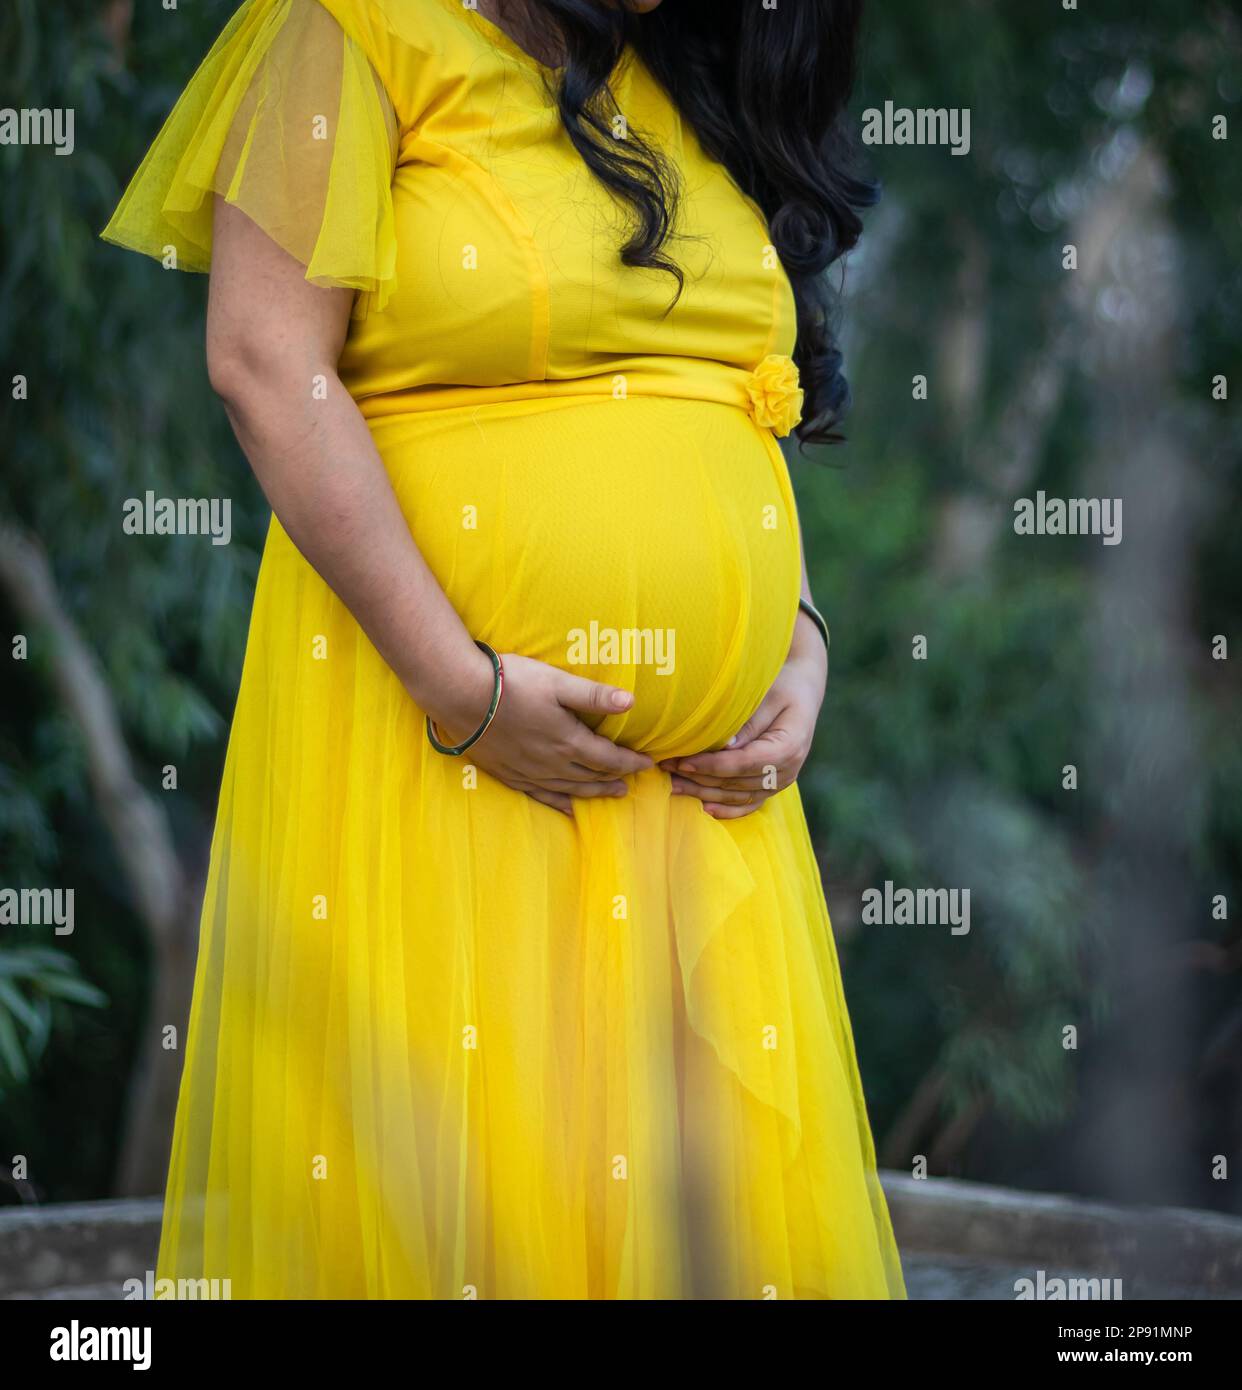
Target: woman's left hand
pixel 768 751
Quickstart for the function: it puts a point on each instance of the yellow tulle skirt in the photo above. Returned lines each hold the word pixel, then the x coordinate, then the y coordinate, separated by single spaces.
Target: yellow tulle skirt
pixel 448 1043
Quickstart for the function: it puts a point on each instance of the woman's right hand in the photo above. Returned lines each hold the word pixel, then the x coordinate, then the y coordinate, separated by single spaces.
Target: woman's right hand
pixel 537 743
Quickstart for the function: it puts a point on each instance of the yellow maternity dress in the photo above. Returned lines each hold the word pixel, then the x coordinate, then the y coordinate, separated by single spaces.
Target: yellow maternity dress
pixel 446 1042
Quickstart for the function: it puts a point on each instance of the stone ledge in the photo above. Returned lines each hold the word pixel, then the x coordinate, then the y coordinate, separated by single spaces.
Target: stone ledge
pixel 1189 1253
pixel 76 1245
pixel 958 1235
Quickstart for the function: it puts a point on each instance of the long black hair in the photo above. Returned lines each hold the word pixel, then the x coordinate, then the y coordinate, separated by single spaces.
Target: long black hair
pixel 765 91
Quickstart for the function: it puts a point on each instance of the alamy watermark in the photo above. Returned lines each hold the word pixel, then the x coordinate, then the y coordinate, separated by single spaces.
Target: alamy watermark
pixel 922 907
pixel 1043 1287
pixel 38 126
pixel 84 1343
pixel 178 516
pixel 1042 515
pixel 924 125
pixel 37 907
pixel 187 1290
pixel 626 646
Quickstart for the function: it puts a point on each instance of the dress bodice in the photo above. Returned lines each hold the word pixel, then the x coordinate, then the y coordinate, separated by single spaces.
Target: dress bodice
pixel 410 150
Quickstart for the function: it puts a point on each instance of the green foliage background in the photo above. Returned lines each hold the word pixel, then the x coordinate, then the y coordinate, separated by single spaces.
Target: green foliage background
pixel 944 772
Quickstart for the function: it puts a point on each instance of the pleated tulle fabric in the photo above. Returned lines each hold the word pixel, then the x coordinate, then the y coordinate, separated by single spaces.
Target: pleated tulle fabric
pixel 445 1042
pixel 287 120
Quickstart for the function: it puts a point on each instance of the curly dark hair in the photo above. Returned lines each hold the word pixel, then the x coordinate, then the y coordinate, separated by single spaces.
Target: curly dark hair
pixel 765 92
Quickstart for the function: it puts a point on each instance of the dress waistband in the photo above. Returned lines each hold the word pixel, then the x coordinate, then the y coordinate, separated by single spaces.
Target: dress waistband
pixel 613 386
pixel 769 394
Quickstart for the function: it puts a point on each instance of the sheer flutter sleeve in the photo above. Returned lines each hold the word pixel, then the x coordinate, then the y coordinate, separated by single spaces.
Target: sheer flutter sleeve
pixel 288 120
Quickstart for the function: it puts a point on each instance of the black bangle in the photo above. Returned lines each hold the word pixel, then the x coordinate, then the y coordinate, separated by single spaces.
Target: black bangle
pixel 816 617
pixel 498 687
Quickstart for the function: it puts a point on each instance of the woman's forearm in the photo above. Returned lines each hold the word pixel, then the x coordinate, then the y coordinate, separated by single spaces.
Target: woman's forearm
pixel 321 473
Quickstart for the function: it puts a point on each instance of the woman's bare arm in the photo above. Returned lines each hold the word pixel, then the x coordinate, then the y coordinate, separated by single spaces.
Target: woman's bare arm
pixel 271 336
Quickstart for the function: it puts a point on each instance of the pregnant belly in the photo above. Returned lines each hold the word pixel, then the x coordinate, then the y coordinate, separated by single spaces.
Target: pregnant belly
pixel 650 543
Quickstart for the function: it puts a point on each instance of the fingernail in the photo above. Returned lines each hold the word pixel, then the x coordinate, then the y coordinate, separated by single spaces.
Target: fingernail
pixel 620 699
pixel 688 767
pixel 731 742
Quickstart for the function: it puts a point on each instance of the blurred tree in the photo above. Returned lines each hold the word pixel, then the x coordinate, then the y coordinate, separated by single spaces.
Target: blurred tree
pixel 134 640
pixel 1085 122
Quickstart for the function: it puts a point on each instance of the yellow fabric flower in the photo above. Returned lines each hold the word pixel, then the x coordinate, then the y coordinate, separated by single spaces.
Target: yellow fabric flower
pixel 775 396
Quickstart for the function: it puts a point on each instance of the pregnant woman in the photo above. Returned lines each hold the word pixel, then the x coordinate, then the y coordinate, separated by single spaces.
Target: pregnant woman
pixel 515 976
